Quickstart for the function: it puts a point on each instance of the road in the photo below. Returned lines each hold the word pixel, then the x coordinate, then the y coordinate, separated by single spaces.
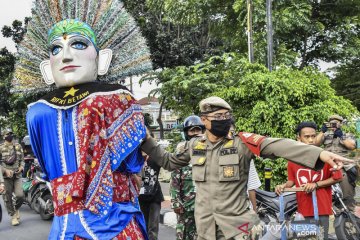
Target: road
pixel 33 227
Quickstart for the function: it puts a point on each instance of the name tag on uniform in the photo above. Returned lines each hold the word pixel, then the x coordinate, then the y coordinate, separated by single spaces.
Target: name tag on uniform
pixel 199 152
pixel 228 151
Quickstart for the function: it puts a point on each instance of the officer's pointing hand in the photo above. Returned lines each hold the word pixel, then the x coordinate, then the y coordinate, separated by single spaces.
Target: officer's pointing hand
pixel 334 160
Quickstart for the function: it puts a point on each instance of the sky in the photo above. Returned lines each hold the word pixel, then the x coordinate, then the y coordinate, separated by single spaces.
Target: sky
pixel 10 11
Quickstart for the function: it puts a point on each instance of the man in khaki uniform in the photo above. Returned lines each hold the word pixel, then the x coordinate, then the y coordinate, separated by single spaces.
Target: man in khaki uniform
pixel 221 166
pixel 336 141
pixel 12 161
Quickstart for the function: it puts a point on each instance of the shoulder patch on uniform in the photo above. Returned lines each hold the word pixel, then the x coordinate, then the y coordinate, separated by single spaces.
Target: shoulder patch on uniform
pixel 252 138
pixel 252 141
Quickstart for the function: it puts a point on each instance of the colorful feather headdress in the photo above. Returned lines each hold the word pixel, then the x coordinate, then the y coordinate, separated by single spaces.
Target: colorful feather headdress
pixel 114 27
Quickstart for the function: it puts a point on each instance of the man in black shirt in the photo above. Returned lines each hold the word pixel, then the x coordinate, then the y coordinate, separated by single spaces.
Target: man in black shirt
pixel 150 197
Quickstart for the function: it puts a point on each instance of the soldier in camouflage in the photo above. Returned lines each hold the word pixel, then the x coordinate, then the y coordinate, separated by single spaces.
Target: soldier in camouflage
pixel 12 162
pixel 182 188
pixel 336 141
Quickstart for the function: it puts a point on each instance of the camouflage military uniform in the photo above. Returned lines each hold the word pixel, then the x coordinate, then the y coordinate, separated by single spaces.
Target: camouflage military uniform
pixel 12 184
pixel 335 145
pixel 182 191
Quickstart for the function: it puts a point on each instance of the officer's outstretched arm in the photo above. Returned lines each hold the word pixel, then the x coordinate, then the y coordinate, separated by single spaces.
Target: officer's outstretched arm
pixel 168 161
pixel 306 155
pixel 297 152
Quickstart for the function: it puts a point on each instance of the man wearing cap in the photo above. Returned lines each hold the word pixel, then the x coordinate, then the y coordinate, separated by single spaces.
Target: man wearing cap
pixel 13 164
pixel 220 165
pixel 336 141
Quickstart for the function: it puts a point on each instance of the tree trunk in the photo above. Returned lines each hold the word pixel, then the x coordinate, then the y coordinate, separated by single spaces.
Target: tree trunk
pixel 162 100
pixel 304 54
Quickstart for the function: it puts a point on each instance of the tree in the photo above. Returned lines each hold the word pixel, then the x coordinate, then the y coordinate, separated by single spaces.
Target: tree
pixel 13 106
pixel 347 81
pixel 16 31
pixel 268 103
pixel 304 31
pixel 7 63
pixel 171 44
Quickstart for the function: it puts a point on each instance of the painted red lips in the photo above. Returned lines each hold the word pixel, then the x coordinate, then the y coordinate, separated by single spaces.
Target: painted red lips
pixel 70 67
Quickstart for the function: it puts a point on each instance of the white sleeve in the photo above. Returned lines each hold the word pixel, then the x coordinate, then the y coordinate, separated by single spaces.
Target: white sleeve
pixel 253 180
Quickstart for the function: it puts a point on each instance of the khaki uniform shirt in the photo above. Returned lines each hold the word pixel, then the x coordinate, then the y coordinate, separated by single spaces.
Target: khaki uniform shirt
pixel 335 145
pixel 6 150
pixel 220 172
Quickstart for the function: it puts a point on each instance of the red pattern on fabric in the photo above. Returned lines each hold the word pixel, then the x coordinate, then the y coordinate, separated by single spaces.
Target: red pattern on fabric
pixel 132 230
pixel 252 141
pixel 64 203
pixel 95 115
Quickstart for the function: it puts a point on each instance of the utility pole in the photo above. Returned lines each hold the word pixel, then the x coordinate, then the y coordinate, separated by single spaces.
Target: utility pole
pixel 250 31
pixel 269 27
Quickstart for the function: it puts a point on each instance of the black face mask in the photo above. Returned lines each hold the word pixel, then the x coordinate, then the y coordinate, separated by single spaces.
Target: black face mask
pixel 220 128
pixel 9 138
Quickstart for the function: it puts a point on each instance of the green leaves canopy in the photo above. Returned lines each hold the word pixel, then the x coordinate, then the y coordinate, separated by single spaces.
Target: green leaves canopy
pixel 269 103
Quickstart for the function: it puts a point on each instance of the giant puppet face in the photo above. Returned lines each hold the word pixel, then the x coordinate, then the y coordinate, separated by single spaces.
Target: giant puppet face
pixel 74 57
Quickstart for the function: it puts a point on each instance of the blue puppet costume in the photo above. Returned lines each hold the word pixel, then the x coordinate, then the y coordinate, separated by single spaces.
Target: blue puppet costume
pixel 85 133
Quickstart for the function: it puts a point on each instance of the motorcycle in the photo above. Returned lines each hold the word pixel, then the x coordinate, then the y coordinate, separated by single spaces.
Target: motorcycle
pixel 347 225
pixel 32 187
pixel 268 208
pixel 45 199
pixel 268 205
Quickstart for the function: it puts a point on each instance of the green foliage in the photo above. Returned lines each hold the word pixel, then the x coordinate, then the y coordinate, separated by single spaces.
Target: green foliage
pixel 7 62
pixel 171 43
pixel 12 106
pixel 16 31
pixel 304 31
pixel 175 137
pixel 347 81
pixel 278 171
pixel 17 116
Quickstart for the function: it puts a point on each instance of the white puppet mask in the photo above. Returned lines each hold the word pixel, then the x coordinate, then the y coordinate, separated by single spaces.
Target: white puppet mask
pixel 74 60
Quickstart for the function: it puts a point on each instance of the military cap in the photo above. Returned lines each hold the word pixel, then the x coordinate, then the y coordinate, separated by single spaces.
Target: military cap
pixel 212 104
pixel 336 117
